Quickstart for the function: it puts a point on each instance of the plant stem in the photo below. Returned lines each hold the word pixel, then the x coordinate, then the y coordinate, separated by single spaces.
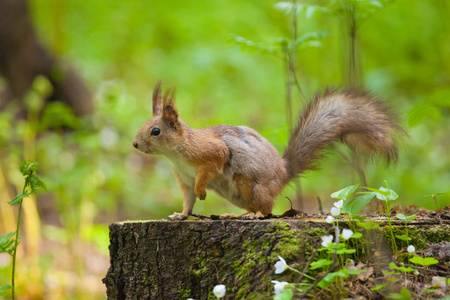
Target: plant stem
pixel 15 249
pixel 388 215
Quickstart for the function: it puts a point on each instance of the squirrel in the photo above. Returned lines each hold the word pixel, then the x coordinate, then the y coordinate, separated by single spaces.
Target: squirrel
pixel 245 168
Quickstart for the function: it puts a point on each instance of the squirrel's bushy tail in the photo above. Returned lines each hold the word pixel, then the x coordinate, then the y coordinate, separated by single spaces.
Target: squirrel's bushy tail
pixel 355 118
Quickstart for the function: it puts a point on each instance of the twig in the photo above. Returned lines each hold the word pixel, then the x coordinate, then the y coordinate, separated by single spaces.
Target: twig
pixel 200 216
pixel 320 205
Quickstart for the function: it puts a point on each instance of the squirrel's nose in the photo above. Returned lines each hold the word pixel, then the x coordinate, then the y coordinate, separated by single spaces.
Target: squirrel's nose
pixel 135 144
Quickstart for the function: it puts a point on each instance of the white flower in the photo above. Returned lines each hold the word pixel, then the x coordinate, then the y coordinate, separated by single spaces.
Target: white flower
pixel 329 219
pixel 326 240
pixel 411 249
pixel 339 204
pixel 350 263
pixel 280 266
pixel 347 233
pixel 219 290
pixel 279 286
pixel 335 211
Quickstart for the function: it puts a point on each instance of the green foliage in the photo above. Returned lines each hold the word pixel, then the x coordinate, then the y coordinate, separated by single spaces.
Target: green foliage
pixel 392 266
pixel 345 192
pixel 355 205
pixel 367 225
pixel 403 295
pixel 320 264
pixel 332 277
pixel 405 218
pixel 403 237
pixel 286 294
pixel 7 243
pixel 427 261
pixel 308 10
pixel 3 289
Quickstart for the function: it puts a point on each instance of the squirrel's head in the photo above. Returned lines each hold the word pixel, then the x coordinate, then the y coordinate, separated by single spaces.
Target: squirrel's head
pixel 164 131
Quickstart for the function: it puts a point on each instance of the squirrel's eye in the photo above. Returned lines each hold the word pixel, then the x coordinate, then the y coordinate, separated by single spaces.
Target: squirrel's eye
pixel 156 131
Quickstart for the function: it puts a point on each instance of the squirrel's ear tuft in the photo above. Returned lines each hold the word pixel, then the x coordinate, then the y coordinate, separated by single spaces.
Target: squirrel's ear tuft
pixel 157 100
pixel 170 112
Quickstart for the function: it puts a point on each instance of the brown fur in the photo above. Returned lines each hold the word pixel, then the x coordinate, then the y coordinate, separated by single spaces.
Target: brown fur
pixel 243 167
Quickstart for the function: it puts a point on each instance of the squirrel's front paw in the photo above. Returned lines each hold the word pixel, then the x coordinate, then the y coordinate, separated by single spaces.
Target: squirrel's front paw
pixel 200 194
pixel 177 217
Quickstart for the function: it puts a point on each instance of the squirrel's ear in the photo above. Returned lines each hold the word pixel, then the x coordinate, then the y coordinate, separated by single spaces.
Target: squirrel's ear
pixel 157 100
pixel 170 112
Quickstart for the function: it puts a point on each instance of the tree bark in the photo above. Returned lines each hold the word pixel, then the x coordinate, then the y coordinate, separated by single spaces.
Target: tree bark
pixel 180 260
pixel 22 58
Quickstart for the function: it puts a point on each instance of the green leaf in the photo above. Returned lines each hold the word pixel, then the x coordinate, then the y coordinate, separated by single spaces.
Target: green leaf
pixel 3 289
pixel 427 261
pixel 357 204
pixel 309 37
pixel 356 272
pixel 19 198
pixel 308 10
pixel 35 183
pixel 403 237
pixel 331 277
pixel 403 295
pixel 287 294
pixel 392 266
pixel 320 264
pixel 384 194
pixel 28 167
pixel 390 193
pixel 7 243
pixel 434 195
pixel 254 47
pixel 367 225
pixel 405 218
pixel 345 192
pixel 356 235
pixel 401 216
pixel 379 287
pixel 342 251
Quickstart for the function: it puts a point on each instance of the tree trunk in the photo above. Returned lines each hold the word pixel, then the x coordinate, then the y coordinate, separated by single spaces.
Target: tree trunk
pixel 22 58
pixel 180 260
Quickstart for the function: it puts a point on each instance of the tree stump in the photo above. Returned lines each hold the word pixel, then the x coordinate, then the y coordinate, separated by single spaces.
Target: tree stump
pixel 180 260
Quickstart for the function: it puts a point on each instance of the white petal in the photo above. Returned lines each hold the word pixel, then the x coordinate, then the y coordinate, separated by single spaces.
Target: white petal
pixel 329 219
pixel 219 290
pixel 411 249
pixel 335 211
pixel 279 286
pixel 347 233
pixel 326 240
pixel 280 265
pixel 339 204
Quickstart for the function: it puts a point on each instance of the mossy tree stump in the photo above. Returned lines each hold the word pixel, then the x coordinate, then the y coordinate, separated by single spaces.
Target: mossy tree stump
pixel 179 260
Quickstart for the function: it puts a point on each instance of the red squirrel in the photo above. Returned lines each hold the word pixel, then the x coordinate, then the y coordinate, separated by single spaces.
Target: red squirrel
pixel 244 167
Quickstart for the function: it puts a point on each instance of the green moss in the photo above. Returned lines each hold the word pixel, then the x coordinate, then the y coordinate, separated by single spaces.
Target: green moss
pixel 147 280
pixel 183 292
pixel 420 235
pixel 201 267
pixel 293 243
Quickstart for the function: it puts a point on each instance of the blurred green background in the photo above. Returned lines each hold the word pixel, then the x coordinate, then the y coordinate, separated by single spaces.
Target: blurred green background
pixel 122 48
